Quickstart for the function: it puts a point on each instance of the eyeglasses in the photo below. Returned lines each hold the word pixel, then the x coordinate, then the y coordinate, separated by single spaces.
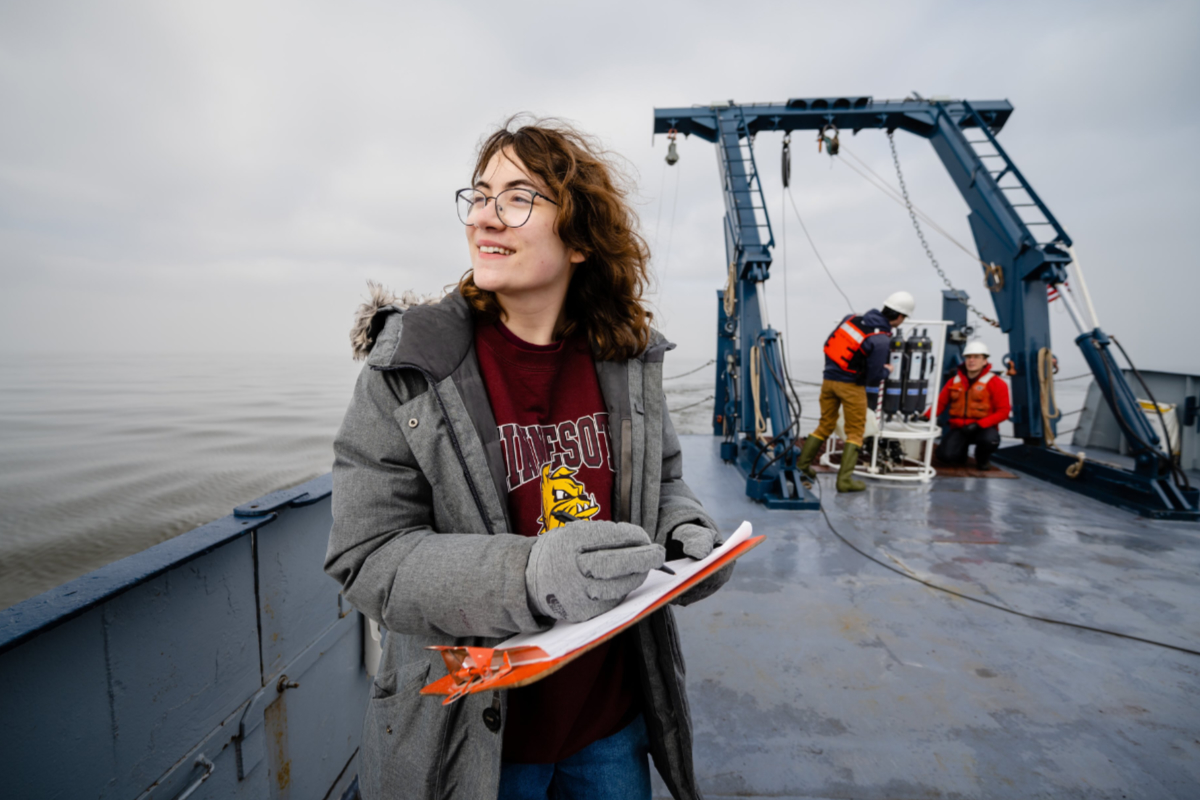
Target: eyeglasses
pixel 513 206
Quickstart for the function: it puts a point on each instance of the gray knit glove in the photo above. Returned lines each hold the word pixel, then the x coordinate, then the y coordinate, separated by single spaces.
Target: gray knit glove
pixel 582 569
pixel 694 541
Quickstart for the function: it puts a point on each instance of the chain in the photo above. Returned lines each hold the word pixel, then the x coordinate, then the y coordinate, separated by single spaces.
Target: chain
pixel 962 296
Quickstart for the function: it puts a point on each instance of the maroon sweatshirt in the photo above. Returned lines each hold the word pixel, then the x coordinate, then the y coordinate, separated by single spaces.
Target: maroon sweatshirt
pixel 553 429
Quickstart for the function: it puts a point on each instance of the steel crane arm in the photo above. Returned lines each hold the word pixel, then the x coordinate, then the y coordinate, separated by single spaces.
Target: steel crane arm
pixel 848 113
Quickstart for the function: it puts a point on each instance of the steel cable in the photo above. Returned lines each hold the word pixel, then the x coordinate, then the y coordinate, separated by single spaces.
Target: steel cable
pixel 691 405
pixel 981 601
pixel 962 296
pixel 708 363
pixel 813 244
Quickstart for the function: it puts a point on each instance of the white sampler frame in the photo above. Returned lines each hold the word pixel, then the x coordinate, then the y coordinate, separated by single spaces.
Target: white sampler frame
pixel 911 470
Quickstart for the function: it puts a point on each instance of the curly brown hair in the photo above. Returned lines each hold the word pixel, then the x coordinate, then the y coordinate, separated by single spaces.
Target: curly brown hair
pixel 594 218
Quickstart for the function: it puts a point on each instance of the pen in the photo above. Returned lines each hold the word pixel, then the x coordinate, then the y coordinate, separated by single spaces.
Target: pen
pixel 565 517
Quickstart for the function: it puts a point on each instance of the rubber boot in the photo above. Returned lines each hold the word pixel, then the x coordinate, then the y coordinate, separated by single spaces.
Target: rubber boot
pixel 845 478
pixel 808 454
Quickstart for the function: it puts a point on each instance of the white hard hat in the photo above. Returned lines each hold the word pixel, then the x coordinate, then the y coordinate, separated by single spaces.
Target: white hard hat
pixel 902 302
pixel 976 347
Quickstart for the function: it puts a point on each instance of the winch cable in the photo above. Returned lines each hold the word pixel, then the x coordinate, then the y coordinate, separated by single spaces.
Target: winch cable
pixel 890 192
pixel 804 228
pixel 794 410
pixel 787 376
pixel 662 188
pixel 670 229
pixel 785 162
pixel 1179 473
pixel 988 603
pixel 915 212
pixel 1180 477
pixel 962 296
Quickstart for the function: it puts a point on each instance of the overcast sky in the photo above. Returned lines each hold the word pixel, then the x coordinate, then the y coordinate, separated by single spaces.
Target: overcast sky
pixel 220 177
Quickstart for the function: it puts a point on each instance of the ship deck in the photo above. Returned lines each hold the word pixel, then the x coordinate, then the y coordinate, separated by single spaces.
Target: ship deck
pixel 818 673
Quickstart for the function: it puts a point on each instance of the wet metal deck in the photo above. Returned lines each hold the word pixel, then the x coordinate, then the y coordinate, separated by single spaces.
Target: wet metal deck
pixel 817 673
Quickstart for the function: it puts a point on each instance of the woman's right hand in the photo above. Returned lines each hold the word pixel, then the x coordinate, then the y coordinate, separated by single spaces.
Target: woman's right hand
pixel 582 569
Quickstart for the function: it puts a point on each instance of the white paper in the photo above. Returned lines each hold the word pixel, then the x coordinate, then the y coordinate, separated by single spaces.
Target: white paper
pixel 565 637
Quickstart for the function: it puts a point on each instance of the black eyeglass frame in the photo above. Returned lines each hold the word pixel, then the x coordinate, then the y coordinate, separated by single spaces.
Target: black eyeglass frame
pixel 536 194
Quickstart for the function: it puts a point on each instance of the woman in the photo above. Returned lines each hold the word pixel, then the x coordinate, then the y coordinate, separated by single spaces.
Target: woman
pixel 507 460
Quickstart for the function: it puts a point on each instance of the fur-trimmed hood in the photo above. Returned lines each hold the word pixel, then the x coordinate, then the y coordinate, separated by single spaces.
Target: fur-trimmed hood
pixel 371 315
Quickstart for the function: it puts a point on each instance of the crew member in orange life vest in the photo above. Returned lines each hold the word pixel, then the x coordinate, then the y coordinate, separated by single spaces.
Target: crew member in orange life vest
pixel 978 403
pixel 856 356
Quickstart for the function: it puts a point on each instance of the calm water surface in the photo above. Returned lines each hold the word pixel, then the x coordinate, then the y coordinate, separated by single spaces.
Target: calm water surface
pixel 102 457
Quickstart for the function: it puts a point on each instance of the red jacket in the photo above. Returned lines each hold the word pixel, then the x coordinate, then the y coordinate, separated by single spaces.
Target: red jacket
pixel 992 408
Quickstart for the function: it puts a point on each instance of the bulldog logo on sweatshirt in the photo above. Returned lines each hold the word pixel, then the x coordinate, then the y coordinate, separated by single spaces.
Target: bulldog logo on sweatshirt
pixel 563 495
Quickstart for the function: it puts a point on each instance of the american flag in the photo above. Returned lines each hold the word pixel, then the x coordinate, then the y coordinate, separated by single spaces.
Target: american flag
pixel 1052 291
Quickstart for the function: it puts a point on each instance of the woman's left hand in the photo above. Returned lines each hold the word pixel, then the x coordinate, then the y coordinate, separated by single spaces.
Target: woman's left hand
pixel 695 541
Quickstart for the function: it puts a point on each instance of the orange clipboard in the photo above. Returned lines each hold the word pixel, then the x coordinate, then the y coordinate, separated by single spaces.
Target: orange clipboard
pixel 483 669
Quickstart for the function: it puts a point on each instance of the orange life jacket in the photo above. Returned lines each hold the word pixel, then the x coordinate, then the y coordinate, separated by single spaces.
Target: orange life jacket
pixel 844 345
pixel 974 402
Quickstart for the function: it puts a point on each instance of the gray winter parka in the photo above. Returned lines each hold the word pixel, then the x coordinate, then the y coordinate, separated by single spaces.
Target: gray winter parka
pixel 421 544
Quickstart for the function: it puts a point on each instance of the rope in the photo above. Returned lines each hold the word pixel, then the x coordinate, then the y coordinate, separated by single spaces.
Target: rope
pixel 708 363
pixel 760 423
pixel 691 405
pixel 1075 469
pixel 730 297
pixel 804 228
pixel 1050 409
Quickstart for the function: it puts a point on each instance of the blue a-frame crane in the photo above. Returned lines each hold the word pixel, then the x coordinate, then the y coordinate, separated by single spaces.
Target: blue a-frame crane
pixel 751 380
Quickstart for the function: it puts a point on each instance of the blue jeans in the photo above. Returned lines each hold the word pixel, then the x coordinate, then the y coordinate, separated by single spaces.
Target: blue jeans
pixel 614 768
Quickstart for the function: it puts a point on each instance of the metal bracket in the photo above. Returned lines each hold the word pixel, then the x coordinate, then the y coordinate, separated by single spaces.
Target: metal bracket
pixel 993 277
pixel 303 495
pixel 1153 497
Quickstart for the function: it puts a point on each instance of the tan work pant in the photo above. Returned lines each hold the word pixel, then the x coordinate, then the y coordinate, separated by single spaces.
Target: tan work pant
pixel 850 396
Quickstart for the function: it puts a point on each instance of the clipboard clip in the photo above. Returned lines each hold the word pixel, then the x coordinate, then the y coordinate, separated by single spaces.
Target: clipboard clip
pixel 471 669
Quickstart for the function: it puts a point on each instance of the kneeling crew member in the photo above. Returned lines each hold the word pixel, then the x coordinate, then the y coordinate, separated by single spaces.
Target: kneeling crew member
pixel 856 356
pixel 978 403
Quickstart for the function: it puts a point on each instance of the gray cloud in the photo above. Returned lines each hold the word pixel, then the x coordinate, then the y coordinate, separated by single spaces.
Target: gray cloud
pixel 212 177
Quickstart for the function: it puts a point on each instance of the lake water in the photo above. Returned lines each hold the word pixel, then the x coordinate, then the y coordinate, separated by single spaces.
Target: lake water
pixel 102 457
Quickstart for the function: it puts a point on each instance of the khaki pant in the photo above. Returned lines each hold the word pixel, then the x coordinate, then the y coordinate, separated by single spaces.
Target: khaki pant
pixel 853 398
